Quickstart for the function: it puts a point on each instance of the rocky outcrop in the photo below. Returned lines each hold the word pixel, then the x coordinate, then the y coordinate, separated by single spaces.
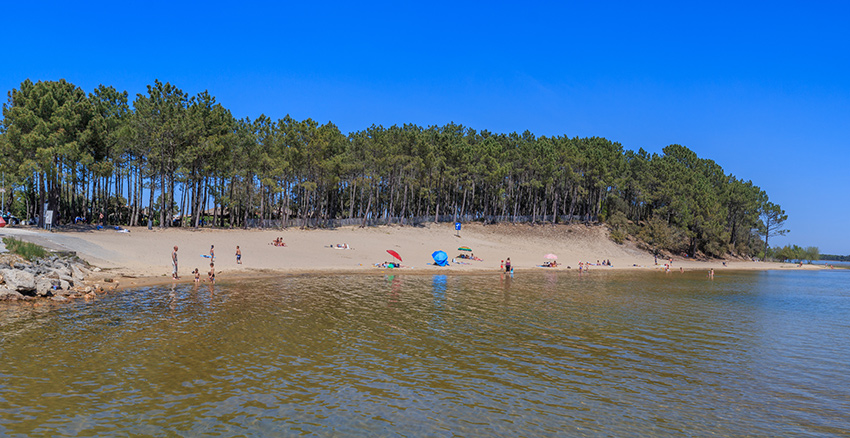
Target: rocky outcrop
pixel 58 279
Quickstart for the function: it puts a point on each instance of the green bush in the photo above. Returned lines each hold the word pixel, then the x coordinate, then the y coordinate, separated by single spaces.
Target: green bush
pixel 27 250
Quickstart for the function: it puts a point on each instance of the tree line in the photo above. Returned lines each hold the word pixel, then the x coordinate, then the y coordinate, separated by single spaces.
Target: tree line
pixel 168 155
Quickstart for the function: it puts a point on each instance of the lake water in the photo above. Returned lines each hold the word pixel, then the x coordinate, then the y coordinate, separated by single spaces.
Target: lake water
pixel 542 354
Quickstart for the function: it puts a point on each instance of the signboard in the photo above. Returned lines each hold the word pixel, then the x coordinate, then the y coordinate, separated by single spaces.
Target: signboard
pixel 457 226
pixel 48 219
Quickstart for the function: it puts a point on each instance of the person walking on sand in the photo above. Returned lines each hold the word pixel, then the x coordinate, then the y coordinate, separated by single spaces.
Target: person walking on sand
pixel 174 263
pixel 212 252
pixel 238 255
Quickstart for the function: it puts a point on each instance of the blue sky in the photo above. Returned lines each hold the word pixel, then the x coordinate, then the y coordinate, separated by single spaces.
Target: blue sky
pixel 762 89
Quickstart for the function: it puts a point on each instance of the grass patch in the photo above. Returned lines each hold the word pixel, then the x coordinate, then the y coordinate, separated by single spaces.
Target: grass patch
pixel 27 250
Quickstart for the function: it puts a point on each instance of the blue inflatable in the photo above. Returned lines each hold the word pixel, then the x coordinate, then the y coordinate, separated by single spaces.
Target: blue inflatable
pixel 440 258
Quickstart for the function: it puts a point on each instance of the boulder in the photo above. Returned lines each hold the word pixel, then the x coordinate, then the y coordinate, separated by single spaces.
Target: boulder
pixel 67 279
pixel 78 273
pixel 59 298
pixel 64 285
pixel 10 295
pixel 60 269
pixel 20 281
pixel 43 287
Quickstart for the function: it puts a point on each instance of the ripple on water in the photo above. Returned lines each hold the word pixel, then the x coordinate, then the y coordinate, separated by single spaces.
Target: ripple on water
pixel 534 355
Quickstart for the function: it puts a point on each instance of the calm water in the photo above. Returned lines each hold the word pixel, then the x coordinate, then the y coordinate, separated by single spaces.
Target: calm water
pixel 605 354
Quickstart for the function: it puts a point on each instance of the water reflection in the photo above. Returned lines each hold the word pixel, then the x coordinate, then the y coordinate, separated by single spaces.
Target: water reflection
pixel 535 355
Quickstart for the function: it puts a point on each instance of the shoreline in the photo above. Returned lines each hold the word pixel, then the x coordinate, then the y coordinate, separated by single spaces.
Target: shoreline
pixel 141 257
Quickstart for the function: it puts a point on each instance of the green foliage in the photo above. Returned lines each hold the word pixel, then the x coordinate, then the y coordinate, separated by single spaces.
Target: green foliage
pixel 27 250
pixel 168 153
pixel 794 252
pixel 834 257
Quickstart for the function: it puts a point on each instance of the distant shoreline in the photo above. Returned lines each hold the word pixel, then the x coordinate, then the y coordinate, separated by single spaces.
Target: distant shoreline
pixel 141 257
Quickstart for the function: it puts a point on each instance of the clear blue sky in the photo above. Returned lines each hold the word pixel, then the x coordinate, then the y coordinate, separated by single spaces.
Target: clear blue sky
pixel 762 89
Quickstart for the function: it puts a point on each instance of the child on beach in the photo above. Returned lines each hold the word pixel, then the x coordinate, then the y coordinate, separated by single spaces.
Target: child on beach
pixel 238 255
pixel 197 275
pixel 212 252
pixel 212 273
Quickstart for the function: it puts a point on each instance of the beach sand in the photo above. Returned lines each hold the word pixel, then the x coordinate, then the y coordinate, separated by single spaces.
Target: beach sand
pixel 143 256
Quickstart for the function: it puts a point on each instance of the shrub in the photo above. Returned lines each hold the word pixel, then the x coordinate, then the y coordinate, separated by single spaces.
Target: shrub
pixel 27 250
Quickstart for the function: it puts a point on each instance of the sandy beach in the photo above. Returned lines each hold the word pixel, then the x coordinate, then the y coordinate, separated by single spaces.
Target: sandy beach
pixel 143 256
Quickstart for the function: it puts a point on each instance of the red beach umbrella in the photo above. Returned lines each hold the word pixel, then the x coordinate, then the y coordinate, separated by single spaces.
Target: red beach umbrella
pixel 395 254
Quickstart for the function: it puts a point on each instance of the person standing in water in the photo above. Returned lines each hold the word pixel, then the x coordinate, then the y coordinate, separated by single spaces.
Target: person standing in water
pixel 212 273
pixel 238 255
pixel 174 263
pixel 508 265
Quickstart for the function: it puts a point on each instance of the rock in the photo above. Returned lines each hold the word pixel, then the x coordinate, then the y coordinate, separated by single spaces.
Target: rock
pixel 63 292
pixel 78 273
pixel 58 298
pixel 20 281
pixel 95 269
pixel 62 270
pixel 43 287
pixel 108 280
pixel 64 285
pixel 10 295
pixel 66 279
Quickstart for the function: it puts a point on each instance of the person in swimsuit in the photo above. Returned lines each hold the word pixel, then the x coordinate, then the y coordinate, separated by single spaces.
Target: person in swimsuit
pixel 197 275
pixel 508 265
pixel 212 252
pixel 212 273
pixel 238 255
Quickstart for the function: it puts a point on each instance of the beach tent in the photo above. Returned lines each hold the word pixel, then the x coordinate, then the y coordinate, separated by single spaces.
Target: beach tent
pixel 440 258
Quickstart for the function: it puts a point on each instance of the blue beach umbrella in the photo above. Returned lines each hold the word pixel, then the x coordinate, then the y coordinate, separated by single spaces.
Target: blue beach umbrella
pixel 440 258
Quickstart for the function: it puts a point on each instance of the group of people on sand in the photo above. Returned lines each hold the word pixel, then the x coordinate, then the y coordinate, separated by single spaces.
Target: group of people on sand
pixel 196 272
pixel 388 265
pixel 470 256
pixel 340 246
pixel 278 242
